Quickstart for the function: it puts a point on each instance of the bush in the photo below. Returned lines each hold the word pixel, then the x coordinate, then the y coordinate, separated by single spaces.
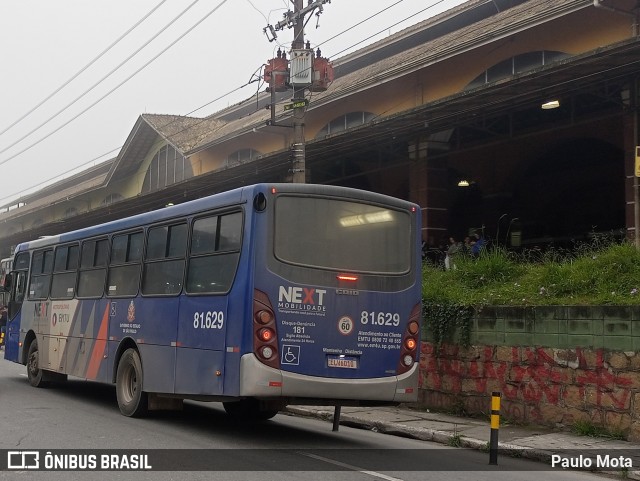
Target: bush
pixel 590 274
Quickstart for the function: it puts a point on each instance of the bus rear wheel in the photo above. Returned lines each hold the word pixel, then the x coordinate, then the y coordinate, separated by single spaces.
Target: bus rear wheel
pixel 132 400
pixel 248 410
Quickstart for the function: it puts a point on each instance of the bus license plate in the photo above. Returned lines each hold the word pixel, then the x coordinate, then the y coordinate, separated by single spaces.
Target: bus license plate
pixel 343 362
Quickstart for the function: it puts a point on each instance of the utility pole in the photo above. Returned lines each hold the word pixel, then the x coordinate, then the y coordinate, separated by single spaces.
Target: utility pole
pixel 299 160
pixel 636 181
pixel 305 72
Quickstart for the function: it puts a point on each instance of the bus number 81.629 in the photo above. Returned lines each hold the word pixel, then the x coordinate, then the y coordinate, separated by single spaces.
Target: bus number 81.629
pixel 380 318
pixel 208 320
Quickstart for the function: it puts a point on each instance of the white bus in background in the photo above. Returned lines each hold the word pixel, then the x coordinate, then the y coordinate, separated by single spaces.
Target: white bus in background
pixel 5 267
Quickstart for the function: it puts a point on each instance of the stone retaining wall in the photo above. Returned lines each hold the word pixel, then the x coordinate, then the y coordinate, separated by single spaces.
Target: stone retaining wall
pixel 553 384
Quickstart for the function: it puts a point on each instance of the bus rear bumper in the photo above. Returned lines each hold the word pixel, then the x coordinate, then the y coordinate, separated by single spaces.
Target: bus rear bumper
pixel 258 380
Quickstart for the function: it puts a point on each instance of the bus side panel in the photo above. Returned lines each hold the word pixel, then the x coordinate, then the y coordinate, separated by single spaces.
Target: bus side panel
pixel 202 326
pixel 239 325
pixel 200 371
pixel 158 363
pixel 151 324
pixel 211 330
pixel 36 316
pixel 12 348
pixel 202 323
pixel 83 338
pixel 74 337
pixel 144 319
pixel 71 336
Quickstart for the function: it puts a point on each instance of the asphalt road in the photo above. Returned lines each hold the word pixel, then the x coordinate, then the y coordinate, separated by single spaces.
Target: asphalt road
pixel 80 419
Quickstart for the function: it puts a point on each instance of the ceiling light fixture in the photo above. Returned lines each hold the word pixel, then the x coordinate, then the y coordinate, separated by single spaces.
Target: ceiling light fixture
pixel 551 104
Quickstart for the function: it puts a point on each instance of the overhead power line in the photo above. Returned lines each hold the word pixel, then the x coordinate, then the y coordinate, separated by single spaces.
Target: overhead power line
pixel 46 181
pixel 77 74
pixel 320 44
pixel 137 51
pixel 383 30
pixel 115 88
pixel 175 19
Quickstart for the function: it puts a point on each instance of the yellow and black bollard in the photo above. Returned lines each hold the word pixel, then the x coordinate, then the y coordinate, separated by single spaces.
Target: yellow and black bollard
pixel 495 427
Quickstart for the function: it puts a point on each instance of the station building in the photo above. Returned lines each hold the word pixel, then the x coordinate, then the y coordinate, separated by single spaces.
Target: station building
pixel 514 118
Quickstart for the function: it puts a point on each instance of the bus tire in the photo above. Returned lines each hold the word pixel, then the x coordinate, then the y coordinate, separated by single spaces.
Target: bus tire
pixel 248 410
pixel 132 400
pixel 34 373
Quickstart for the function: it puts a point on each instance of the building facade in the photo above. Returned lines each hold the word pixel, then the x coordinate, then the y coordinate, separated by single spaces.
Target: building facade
pixel 451 113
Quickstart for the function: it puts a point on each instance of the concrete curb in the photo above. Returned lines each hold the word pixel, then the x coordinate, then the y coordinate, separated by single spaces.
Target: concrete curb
pixel 422 434
pixel 441 437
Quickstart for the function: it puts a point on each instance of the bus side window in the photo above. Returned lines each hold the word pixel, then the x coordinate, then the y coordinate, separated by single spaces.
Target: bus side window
pixel 65 272
pixel 93 268
pixel 17 282
pixel 124 271
pixel 165 260
pixel 230 232
pixel 21 278
pixel 41 268
pixel 215 252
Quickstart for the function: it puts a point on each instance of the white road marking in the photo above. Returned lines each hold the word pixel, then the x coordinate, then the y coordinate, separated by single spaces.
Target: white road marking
pixel 351 467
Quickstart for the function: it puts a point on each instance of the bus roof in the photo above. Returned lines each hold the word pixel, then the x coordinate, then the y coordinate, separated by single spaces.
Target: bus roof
pixel 220 200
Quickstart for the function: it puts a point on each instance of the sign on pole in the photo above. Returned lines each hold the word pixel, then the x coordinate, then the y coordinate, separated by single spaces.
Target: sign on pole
pixel 297 104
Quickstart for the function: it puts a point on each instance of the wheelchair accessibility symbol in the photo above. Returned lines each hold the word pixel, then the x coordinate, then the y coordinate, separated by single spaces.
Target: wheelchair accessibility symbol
pixel 290 355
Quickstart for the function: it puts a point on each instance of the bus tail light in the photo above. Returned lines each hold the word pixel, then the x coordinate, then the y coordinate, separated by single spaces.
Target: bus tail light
pixel 410 344
pixel 265 338
pixel 265 334
pixel 409 350
pixel 347 277
pixel 264 317
pixel 267 352
pixel 413 328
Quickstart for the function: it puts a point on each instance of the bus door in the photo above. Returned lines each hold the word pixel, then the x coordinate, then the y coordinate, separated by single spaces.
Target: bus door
pixel 17 287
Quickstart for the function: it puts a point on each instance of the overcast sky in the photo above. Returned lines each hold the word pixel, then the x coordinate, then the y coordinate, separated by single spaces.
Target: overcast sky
pixel 46 43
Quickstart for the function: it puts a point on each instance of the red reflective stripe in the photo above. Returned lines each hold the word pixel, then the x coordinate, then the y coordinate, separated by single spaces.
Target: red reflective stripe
pixel 98 347
pixel 275 384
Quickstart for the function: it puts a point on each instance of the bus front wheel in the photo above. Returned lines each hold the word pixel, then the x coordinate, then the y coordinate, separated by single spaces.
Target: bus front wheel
pixel 34 373
pixel 132 400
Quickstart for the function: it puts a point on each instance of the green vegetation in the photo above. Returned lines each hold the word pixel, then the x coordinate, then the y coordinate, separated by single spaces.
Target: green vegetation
pixel 455 441
pixel 599 273
pixel 603 272
pixel 587 428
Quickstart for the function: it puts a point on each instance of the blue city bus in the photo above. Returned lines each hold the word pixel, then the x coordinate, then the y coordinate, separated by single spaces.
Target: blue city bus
pixel 260 297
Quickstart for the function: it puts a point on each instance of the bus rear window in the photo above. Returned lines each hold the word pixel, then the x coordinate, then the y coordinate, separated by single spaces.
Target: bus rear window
pixel 342 235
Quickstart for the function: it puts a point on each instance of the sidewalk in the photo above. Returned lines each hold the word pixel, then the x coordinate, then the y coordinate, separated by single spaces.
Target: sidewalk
pixel 535 443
